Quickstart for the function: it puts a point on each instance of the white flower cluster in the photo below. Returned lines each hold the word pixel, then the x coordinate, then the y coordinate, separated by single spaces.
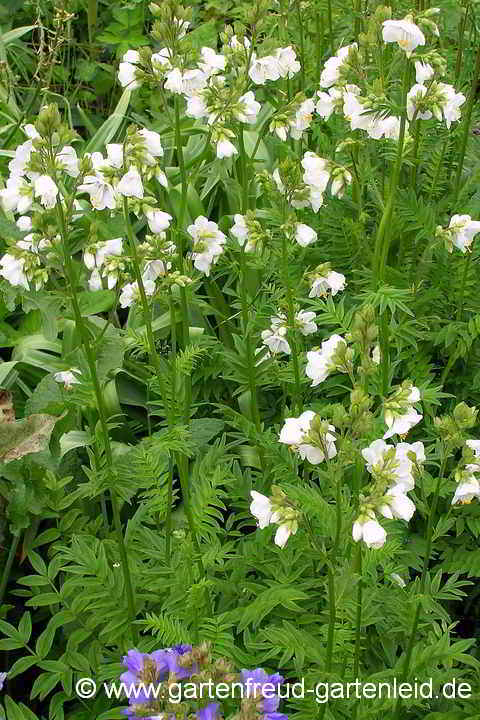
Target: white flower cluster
pixel 436 99
pixel 399 411
pixel 459 233
pixel 275 510
pixel 311 437
pixel 211 89
pixel 392 470
pixel 275 338
pixel 121 173
pixel 468 484
pixel 325 280
pixel 208 242
pixel 282 64
pixel 332 356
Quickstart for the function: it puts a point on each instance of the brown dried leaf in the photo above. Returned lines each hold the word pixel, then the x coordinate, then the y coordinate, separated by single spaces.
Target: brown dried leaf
pixel 7 413
pixel 30 435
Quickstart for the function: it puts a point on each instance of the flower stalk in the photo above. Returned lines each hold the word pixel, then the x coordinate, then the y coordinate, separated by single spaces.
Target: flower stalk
pixel 90 357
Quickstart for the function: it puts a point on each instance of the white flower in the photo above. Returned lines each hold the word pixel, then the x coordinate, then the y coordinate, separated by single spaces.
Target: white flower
pixel 154 269
pixel 319 362
pixel 208 243
pixel 402 424
pixel 153 142
pixel 397 504
pixel 405 33
pixel 240 231
pixel 158 221
pixel 102 194
pixel 12 269
pixel 276 340
pixel 376 357
pixel 316 171
pixel 331 71
pixel 466 491
pixel 368 529
pixel 130 292
pixel 17 196
pixel 47 190
pixel 225 148
pixel 283 533
pixel 193 81
pixel 342 178
pixel 131 184
pixel 69 161
pixel 462 231
pixel 67 377
pixel 327 102
pixel 248 108
pixel 24 223
pixel 174 81
pixel 114 155
pixel 127 70
pixel 391 127
pixel 295 431
pixel 18 165
pixel 305 321
pixel 288 65
pixel 161 61
pixel 263 69
pixel 472 444
pixel 31 131
pixel 196 107
pixel 303 119
pixel 333 281
pixel 261 508
pixel 304 234
pixel 423 72
pixel 398 580
pixel 102 251
pixel 211 62
pixel 414 94
pixel 452 101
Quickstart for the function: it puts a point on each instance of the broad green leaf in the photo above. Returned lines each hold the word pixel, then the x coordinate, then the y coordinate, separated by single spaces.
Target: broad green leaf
pixel 107 131
pixel 16 33
pixel 74 439
pixel 92 303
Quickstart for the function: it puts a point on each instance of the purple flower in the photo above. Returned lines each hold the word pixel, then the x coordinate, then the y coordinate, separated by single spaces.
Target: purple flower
pixel 255 681
pixel 143 668
pixel 171 658
pixel 3 677
pixel 209 712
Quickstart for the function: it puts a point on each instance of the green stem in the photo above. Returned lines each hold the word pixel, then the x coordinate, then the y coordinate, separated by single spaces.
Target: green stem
pixel 8 565
pixel 90 356
pixel 302 42
pixel 466 124
pixel 415 155
pixel 330 24
pixel 466 268
pixel 180 249
pixel 461 35
pixel 358 618
pixel 423 578
pixel 297 396
pixel 319 32
pixel 382 243
pixel 181 461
